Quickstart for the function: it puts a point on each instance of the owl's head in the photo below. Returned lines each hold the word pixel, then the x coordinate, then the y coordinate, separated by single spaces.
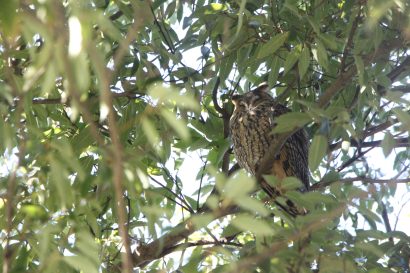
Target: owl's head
pixel 253 99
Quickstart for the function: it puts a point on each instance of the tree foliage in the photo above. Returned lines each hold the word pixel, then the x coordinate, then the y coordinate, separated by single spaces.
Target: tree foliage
pixel 115 151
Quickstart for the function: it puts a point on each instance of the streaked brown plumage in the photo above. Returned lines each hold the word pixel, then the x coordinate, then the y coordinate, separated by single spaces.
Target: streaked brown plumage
pixel 251 127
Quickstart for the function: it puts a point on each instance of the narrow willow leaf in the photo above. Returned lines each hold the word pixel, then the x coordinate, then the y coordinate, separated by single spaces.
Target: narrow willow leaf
pixel 201 221
pixel 239 185
pixel 82 263
pixel 272 45
pixel 291 183
pixel 317 151
pixel 388 143
pixel 178 125
pixel 304 60
pixel 274 71
pixel 360 69
pixel 151 133
pixel 403 117
pixel 252 205
pixel 291 59
pixel 321 55
pixel 289 121
pixel 249 223
pixel 172 96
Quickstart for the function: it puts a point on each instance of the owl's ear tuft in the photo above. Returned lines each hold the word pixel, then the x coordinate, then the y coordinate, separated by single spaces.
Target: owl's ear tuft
pixel 262 88
pixel 235 99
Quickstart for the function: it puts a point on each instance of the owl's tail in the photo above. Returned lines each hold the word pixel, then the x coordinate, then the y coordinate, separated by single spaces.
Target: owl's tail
pixel 289 207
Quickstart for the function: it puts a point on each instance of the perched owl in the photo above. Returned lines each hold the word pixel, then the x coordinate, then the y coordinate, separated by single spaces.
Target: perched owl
pixel 251 128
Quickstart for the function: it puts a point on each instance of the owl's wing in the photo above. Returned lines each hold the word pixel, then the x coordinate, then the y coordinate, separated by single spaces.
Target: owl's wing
pixel 293 158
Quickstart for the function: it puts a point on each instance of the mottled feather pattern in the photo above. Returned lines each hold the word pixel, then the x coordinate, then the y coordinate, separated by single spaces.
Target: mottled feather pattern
pixel 251 128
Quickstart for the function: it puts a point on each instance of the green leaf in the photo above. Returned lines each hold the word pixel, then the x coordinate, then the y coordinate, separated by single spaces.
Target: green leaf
pixel 82 140
pixel 388 143
pixel 291 59
pixel 321 55
pixel 170 95
pixel 238 186
pixel 274 71
pixel 289 121
pixel 291 183
pixel 151 133
pixel 304 61
pixel 317 151
pixel 246 222
pixel 82 263
pixel 403 117
pixel 272 45
pixel 178 125
pixel 201 221
pixel 252 205
pixel 8 15
pixel 360 69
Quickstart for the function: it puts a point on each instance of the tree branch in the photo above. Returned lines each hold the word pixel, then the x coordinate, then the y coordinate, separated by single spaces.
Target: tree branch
pixel 67 102
pixel 362 179
pixel 399 142
pixel 163 245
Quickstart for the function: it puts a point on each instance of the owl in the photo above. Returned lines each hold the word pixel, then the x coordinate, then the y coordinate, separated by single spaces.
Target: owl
pixel 251 125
